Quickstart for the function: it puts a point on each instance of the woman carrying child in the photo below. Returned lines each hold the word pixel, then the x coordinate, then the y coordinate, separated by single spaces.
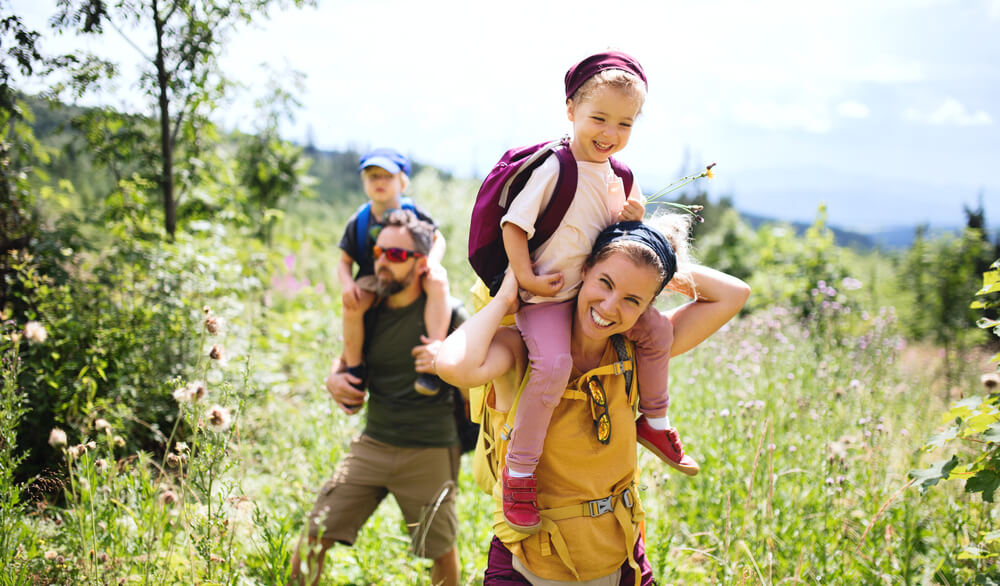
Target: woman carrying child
pixel 586 477
pixel 604 96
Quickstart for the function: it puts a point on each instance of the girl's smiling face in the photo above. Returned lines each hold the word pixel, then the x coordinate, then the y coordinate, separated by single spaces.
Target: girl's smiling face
pixel 614 294
pixel 602 123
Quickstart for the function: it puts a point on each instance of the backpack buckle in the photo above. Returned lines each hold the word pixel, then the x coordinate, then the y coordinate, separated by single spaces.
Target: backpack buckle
pixel 627 498
pixel 601 506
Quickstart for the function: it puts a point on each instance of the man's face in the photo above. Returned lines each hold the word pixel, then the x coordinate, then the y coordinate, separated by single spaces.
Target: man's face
pixel 393 277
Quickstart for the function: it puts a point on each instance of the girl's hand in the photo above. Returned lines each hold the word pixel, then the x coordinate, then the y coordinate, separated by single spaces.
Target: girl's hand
pixel 546 285
pixel 632 212
pixel 350 296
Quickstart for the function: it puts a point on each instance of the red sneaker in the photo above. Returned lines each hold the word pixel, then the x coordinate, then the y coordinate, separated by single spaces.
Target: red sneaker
pixel 520 503
pixel 666 444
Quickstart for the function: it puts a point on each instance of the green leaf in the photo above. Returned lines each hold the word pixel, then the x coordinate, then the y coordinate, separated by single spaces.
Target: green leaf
pixel 937 471
pixel 979 422
pixel 992 433
pixel 974 553
pixel 962 409
pixel 986 323
pixel 986 482
pixel 939 439
pixel 991 536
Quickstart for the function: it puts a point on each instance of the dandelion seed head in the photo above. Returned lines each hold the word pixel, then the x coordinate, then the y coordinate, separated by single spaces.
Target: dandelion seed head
pixel 76 451
pixel 173 461
pixel 213 324
pixel 181 447
pixel 35 332
pixel 168 497
pixel 216 352
pixel 102 425
pixel 119 441
pixel 219 418
pixel 51 554
pixel 57 438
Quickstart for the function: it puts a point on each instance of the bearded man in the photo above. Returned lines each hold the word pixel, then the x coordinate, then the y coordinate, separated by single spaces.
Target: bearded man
pixel 410 445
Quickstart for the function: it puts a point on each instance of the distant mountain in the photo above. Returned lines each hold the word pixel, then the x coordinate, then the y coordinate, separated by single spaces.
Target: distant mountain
pixel 840 236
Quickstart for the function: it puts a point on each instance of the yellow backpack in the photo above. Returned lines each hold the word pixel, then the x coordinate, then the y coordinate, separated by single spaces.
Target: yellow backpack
pixel 491 445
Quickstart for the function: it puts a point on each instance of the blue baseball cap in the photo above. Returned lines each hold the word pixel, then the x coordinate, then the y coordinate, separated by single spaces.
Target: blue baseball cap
pixel 389 159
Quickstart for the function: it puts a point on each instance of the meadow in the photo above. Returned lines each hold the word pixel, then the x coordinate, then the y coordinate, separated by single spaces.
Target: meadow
pixel 806 424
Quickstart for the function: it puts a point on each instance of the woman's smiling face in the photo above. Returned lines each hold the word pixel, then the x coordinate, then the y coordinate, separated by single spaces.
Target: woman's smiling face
pixel 614 294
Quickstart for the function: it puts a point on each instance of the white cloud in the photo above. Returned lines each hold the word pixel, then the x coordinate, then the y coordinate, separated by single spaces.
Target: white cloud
pixel 852 109
pixel 774 116
pixel 951 112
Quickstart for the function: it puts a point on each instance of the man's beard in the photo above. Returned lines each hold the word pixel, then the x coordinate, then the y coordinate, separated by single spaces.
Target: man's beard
pixel 386 285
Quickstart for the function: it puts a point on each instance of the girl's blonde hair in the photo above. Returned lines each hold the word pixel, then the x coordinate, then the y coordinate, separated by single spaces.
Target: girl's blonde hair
pixel 624 81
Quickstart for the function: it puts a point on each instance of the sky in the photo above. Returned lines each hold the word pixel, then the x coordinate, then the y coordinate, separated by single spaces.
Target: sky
pixel 887 112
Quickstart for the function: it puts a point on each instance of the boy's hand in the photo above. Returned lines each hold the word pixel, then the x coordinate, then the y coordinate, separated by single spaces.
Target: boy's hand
pixel 350 296
pixel 632 212
pixel 546 285
pixel 435 280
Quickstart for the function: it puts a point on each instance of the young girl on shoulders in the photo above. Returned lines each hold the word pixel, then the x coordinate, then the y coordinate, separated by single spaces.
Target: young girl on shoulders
pixel 604 96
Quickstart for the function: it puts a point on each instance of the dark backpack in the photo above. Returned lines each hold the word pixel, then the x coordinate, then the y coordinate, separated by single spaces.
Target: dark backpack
pixel 363 252
pixel 508 177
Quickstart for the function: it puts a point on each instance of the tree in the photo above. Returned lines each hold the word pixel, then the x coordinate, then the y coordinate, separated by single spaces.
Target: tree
pixel 181 78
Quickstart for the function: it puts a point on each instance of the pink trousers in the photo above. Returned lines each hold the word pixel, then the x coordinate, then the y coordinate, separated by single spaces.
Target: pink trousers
pixel 545 328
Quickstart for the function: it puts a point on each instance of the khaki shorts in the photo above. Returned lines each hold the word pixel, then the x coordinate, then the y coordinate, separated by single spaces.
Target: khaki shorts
pixel 370 471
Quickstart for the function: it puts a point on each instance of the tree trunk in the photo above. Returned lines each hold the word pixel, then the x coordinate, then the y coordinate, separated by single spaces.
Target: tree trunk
pixel 166 143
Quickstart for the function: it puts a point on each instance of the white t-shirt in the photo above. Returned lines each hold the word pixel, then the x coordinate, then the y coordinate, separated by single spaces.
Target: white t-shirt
pixel 600 198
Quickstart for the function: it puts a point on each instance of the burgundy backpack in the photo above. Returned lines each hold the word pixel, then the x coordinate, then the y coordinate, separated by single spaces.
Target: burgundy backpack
pixel 508 177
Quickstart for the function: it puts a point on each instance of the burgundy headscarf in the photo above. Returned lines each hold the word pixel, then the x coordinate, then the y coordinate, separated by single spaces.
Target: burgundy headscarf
pixel 597 63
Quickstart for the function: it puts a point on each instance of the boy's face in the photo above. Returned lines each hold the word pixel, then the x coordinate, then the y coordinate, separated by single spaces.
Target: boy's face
pixel 381 186
pixel 602 124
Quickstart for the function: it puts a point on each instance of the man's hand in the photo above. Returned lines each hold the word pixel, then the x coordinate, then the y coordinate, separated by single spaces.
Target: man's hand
pixel 347 397
pixel 425 354
pixel 632 212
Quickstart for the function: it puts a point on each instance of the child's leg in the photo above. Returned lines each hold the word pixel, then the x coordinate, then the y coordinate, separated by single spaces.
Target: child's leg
pixel 545 328
pixel 653 335
pixel 354 326
pixel 437 318
pixel 437 312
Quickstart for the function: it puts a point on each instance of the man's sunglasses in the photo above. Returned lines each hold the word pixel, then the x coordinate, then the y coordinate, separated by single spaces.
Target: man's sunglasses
pixel 394 254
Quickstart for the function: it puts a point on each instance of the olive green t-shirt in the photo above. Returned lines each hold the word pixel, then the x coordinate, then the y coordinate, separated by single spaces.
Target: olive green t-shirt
pixel 397 414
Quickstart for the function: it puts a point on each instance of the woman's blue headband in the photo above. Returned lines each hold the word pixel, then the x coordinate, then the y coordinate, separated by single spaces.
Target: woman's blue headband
pixel 643 234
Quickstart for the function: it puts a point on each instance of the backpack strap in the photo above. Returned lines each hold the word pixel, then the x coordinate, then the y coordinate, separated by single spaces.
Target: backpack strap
pixel 550 218
pixel 364 220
